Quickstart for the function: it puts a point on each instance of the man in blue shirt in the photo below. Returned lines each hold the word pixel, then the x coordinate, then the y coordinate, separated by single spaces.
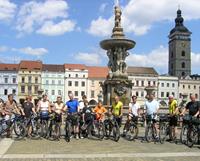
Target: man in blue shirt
pixel 72 107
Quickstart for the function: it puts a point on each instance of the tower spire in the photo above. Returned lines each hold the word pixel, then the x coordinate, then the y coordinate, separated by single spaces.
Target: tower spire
pixel 179 19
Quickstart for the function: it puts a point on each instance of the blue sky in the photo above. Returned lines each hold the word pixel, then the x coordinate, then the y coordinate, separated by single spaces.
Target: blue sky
pixel 69 31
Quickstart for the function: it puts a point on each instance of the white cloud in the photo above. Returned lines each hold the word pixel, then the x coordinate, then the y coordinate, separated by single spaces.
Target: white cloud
pixel 101 27
pixel 9 59
pixel 157 58
pixel 51 29
pixel 103 7
pixel 3 48
pixel 7 10
pixel 138 16
pixel 44 17
pixel 88 58
pixel 195 62
pixel 31 51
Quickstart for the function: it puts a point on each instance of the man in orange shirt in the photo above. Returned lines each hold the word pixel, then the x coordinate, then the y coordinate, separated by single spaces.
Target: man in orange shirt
pixel 100 111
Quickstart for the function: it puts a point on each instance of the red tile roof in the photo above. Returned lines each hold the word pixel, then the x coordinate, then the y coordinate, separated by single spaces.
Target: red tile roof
pixel 30 65
pixel 53 68
pixel 97 72
pixel 75 66
pixel 8 67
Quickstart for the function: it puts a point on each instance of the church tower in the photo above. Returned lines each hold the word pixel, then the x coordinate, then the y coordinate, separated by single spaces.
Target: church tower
pixel 179 49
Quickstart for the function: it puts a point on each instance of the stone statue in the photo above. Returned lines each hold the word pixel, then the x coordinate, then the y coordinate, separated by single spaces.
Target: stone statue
pixel 118 14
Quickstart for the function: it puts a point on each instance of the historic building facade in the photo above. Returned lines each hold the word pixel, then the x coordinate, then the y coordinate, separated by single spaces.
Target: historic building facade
pixel 179 49
pixel 53 83
pixel 141 78
pixel 8 81
pixel 29 79
pixel 167 85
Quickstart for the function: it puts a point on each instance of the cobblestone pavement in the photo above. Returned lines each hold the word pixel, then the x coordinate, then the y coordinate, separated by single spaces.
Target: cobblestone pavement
pixel 95 150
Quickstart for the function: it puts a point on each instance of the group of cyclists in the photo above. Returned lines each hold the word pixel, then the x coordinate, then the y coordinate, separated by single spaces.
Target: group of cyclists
pixel 80 113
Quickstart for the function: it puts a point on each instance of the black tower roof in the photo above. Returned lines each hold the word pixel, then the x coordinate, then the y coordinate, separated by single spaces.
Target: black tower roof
pixel 179 26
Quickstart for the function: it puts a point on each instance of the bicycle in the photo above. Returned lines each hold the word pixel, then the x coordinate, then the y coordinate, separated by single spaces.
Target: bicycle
pixel 131 129
pixel 164 127
pixel 43 124
pixel 193 133
pixel 54 131
pixel 150 129
pixel 183 135
pixel 111 126
pixel 15 122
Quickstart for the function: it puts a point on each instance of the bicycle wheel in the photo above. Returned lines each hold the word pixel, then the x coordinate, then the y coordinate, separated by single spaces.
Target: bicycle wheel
pixel 148 133
pixel 67 131
pixel 116 133
pixel 19 129
pixel 162 132
pixel 131 133
pixel 183 134
pixel 101 131
pixel 44 129
pixel 192 137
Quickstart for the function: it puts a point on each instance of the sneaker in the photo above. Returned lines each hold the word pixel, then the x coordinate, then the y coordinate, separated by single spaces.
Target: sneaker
pixel 77 137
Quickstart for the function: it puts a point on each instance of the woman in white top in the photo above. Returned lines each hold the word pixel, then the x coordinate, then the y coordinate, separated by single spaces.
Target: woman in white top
pixel 58 108
pixel 44 107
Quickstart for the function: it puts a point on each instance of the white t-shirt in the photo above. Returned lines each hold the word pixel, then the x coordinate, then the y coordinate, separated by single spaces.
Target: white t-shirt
pixel 44 106
pixel 58 107
pixel 81 105
pixel 134 108
pixel 151 107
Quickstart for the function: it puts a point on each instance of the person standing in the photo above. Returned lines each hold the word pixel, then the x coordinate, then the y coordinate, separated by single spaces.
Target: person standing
pixel 72 107
pixel 173 111
pixel 117 110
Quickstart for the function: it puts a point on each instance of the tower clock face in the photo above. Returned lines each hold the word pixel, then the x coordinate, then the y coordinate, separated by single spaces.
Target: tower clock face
pixel 183 44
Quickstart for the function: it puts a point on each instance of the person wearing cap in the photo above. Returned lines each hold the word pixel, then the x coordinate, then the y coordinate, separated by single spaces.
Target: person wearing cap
pixel 173 112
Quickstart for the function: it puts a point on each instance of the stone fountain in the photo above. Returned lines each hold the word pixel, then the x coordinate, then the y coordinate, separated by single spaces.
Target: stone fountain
pixel 117 82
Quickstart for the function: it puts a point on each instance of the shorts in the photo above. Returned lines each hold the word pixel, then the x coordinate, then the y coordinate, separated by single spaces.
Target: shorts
pixel 173 121
pixel 44 115
pixel 74 119
pixel 119 120
pixel 149 118
pixel 58 118
pixel 133 118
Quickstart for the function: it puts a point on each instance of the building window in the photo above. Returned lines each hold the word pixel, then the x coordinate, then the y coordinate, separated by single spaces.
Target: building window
pixel 76 93
pixel 14 80
pixel 59 92
pixel 188 86
pixel 69 92
pixel 5 92
pixel 13 91
pixel 172 54
pixel 194 87
pixel 82 93
pixel 183 64
pixel 183 53
pixel 142 83
pixel 23 79
pixel 22 89
pixel 154 83
pixel 196 96
pixel 29 89
pixel 46 91
pixel 149 83
pixel 180 95
pixel 6 80
pixel 136 93
pixel 137 83
pixel 92 94
pixel 59 82
pixel 76 83
pixel 29 79
pixel 167 84
pixel 36 89
pixel 173 85
pixel 84 76
pixel 92 82
pixel 53 82
pixel 172 66
pixel 173 94
pixel 69 75
pixel 162 84
pixel 183 86
pixel 47 81
pixel 167 94
pixel 76 75
pixel 142 94
pixel 83 84
pixel 183 74
pixel 162 94
pixel 36 79
pixel 52 92
pixel 69 83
